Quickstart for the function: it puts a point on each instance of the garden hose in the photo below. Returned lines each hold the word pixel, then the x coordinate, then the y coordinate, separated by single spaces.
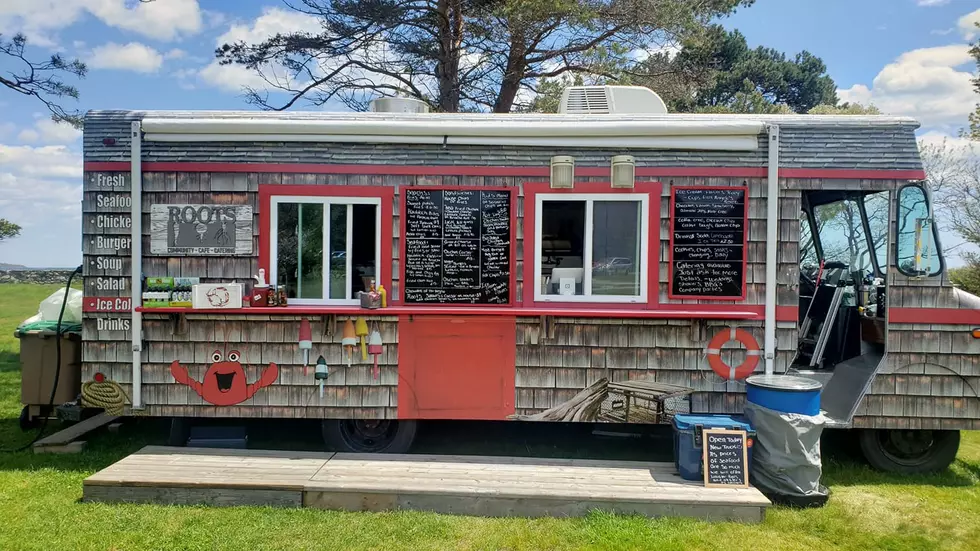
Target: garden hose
pixel 107 395
pixel 57 371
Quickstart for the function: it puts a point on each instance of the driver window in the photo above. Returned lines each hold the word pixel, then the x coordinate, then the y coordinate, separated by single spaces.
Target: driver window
pixel 842 237
pixel 916 234
pixel 876 209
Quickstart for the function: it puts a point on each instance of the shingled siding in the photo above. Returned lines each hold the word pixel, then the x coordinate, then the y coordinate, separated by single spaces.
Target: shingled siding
pixel 552 369
pixel 931 375
pixel 350 392
pixel 667 352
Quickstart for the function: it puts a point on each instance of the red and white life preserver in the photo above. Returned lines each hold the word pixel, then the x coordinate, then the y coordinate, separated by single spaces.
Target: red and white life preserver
pixel 744 369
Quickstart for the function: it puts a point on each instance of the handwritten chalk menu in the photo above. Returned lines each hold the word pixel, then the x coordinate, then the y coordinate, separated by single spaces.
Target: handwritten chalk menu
pixel 707 243
pixel 457 246
pixel 725 458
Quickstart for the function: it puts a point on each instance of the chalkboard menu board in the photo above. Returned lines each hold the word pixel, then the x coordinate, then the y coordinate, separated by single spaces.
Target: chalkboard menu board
pixel 457 246
pixel 707 242
pixel 725 458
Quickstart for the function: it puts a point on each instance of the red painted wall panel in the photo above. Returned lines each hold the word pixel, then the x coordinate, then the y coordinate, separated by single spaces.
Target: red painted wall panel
pixel 456 367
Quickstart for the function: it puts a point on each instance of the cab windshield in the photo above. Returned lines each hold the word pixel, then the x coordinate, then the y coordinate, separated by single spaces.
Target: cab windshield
pixel 852 228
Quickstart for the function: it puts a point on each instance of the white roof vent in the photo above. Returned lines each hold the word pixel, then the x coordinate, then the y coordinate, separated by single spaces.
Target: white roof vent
pixel 399 105
pixel 605 100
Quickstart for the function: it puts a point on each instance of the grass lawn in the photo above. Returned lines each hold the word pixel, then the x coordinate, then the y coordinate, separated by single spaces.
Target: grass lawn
pixel 40 508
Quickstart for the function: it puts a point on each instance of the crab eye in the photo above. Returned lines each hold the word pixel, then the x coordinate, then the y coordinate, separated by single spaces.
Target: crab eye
pixel 216 356
pixel 233 356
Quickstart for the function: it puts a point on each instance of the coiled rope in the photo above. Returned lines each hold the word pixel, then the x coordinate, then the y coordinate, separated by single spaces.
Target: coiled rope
pixel 104 394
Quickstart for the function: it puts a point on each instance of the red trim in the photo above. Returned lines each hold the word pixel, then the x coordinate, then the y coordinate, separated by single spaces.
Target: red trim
pixel 386 194
pixel 512 292
pixel 652 188
pixel 107 304
pixel 834 173
pixel 525 171
pixel 953 316
pixel 670 247
pixel 664 311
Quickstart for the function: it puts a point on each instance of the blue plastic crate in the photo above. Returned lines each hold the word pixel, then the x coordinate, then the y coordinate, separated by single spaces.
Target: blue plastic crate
pixel 687 439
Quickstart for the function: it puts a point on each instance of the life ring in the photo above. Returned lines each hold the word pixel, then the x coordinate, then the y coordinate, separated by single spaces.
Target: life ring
pixel 744 369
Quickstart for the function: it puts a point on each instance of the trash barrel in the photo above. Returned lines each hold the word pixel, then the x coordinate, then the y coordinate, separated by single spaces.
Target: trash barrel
pixel 38 364
pixel 688 447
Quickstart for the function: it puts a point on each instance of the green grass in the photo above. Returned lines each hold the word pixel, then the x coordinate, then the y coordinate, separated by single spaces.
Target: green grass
pixel 40 507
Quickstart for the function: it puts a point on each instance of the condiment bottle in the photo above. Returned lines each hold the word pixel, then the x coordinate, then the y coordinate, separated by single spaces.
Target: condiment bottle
pixel 273 297
pixel 282 297
pixel 384 296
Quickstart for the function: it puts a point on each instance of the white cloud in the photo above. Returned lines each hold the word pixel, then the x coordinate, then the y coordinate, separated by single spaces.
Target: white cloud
pixel 931 84
pixel 273 21
pixel 128 57
pixel 161 20
pixel 230 78
pixel 931 3
pixel 49 161
pixel 968 25
pixel 942 32
pixel 176 53
pixel 233 78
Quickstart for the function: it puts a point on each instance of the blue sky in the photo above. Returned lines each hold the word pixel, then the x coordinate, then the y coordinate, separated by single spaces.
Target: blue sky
pixel 909 57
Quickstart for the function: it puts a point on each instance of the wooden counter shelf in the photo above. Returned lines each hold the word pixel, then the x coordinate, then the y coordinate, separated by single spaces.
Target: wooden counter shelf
pixel 400 310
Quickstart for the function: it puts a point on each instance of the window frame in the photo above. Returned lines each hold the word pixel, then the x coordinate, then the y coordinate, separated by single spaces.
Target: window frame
pixel 935 233
pixel 646 193
pixel 271 195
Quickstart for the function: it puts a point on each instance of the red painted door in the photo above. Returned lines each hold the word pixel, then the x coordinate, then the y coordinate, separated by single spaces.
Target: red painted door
pixel 456 367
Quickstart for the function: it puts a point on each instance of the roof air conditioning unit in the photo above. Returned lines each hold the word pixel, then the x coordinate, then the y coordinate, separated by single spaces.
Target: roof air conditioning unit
pixel 399 105
pixel 606 100
pixel 562 172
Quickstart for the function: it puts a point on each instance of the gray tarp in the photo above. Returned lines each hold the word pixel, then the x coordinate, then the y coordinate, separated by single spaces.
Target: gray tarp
pixel 786 453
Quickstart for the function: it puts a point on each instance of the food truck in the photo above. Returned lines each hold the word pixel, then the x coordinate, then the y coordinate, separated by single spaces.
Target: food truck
pixel 611 263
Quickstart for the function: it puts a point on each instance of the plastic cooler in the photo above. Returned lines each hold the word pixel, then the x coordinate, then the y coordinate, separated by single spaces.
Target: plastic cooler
pixel 688 441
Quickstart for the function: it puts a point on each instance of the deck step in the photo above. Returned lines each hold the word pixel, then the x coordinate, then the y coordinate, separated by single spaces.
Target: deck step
pixel 469 485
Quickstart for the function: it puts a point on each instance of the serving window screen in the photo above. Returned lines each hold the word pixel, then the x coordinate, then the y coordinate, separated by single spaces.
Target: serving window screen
pixel 591 247
pixel 324 250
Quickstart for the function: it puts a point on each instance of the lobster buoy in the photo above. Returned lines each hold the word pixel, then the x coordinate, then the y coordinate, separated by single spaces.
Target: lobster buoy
pixel 745 368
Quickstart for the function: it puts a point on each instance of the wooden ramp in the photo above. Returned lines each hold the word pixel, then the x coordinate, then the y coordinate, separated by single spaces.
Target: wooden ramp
pixel 469 485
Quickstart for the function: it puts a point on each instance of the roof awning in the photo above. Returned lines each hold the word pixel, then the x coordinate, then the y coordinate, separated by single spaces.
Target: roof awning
pixel 651 134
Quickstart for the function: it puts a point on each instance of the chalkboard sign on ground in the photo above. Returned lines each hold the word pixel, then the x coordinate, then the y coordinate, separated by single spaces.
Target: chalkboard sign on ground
pixel 707 242
pixel 457 246
pixel 725 458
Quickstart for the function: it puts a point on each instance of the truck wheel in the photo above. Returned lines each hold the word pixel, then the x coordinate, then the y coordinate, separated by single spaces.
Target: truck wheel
pixel 909 451
pixel 368 435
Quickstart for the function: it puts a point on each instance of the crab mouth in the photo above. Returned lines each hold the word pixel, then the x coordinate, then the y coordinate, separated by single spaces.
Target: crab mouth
pixel 224 381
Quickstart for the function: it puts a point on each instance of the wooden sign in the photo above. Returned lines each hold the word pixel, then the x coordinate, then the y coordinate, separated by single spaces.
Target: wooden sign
pixel 200 230
pixel 708 242
pixel 458 246
pixel 725 458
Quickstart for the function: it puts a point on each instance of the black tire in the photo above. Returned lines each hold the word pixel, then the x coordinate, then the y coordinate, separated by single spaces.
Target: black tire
pixel 909 451
pixel 368 435
pixel 26 421
pixel 180 431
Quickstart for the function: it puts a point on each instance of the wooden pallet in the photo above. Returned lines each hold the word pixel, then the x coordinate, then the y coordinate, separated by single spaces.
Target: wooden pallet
pixel 470 485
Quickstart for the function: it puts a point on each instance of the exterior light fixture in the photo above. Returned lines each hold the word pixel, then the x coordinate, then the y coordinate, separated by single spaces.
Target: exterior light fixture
pixel 622 174
pixel 562 172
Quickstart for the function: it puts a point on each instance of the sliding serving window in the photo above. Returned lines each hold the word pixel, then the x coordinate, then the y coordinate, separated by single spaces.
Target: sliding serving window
pixel 591 247
pixel 325 249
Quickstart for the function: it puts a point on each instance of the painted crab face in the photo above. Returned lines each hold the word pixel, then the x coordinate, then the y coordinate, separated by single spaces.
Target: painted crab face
pixel 224 382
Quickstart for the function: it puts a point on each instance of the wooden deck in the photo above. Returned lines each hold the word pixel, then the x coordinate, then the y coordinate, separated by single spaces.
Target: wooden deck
pixel 469 485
